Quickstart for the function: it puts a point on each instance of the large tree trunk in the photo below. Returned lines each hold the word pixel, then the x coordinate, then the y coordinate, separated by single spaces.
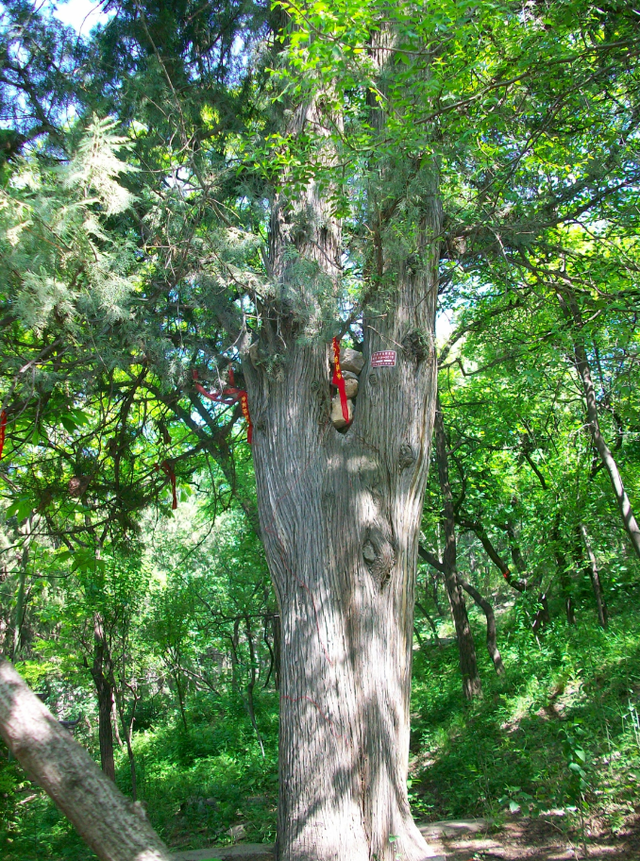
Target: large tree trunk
pixel 110 824
pixel 340 522
pixel 340 518
pixel 340 515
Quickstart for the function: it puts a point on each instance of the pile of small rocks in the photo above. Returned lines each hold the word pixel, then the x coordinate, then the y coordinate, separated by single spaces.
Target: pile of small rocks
pixel 351 364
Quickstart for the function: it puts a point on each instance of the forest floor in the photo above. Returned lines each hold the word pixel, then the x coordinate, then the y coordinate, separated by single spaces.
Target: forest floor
pixel 541 839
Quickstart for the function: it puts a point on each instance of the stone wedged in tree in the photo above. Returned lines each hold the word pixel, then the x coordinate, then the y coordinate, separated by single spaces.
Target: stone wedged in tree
pixel 351 360
pixel 336 413
pixel 350 387
pixel 348 375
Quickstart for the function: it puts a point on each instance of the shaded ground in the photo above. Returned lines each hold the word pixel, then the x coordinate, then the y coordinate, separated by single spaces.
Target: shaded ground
pixel 543 839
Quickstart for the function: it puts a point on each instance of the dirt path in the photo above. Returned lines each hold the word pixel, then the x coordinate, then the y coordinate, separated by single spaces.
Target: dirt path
pixel 543 839
pixel 531 839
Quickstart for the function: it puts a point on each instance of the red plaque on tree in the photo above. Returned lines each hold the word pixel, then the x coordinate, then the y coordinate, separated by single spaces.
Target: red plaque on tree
pixel 383 359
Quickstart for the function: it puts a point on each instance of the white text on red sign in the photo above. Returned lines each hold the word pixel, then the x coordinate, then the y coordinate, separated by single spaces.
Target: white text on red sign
pixel 383 359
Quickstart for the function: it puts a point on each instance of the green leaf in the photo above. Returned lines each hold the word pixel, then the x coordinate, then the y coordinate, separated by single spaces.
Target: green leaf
pixel 21 508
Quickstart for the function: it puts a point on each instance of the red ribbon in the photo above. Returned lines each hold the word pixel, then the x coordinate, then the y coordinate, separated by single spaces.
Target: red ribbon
pixel 338 379
pixel 244 406
pixel 166 467
pixel 229 395
pixel 3 426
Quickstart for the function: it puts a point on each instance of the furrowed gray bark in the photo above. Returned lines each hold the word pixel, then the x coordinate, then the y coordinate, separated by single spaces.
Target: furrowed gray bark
pixel 340 516
pixel 114 827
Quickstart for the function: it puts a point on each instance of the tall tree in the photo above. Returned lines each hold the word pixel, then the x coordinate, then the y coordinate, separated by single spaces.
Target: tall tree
pixel 338 151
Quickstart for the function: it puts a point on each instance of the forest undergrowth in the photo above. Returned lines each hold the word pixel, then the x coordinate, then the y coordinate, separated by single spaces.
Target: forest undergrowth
pixel 560 733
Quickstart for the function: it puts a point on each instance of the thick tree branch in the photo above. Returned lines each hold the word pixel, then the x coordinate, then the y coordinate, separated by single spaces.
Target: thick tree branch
pixel 429 557
pixel 111 825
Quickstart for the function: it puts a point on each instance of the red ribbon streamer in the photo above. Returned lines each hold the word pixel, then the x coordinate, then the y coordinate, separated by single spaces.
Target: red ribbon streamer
pixel 229 395
pixel 338 380
pixel 166 467
pixel 244 406
pixel 3 426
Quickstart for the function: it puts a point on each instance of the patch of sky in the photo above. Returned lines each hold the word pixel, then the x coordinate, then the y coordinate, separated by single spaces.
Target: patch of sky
pixel 445 323
pixel 82 15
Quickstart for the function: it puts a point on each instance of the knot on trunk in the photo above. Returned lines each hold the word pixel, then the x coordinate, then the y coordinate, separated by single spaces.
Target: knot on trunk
pixel 417 345
pixel 407 456
pixel 379 555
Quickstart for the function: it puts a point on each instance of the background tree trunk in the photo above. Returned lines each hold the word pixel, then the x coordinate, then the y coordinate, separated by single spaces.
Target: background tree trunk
pixel 573 315
pixel 250 705
pixel 18 633
pixel 601 604
pixel 102 674
pixel 492 640
pixel 471 684
pixel 562 567
pixel 112 826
